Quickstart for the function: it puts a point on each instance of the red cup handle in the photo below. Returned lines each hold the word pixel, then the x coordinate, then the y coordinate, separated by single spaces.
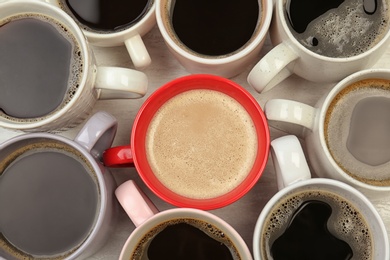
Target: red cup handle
pixel 120 156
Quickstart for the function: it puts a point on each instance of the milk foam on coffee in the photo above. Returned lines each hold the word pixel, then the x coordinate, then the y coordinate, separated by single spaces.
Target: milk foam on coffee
pixel 357 130
pixel 201 144
pixel 347 30
pixel 346 222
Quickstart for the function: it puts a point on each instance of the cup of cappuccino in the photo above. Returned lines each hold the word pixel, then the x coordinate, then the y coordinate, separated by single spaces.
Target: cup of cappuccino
pixel 56 198
pixel 346 132
pixel 49 79
pixel 199 141
pixel 180 233
pixel 214 37
pixel 109 23
pixel 315 218
pixel 322 42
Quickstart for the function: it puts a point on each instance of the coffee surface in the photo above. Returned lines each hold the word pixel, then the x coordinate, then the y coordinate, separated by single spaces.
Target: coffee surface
pixel 217 27
pixel 48 195
pixel 356 130
pixel 346 228
pixel 106 15
pixel 201 144
pixel 338 28
pixel 39 66
pixel 185 238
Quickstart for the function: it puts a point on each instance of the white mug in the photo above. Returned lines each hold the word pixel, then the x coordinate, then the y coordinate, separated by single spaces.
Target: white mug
pixel 316 120
pixel 227 65
pixel 48 193
pixel 297 188
pixel 146 218
pixel 95 82
pixel 289 56
pixel 131 37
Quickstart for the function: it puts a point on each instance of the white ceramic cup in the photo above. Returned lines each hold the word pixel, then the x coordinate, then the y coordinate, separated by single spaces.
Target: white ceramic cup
pixel 145 217
pixel 130 37
pixel 95 136
pixel 227 65
pixel 313 121
pixel 291 57
pixel 293 177
pixel 96 82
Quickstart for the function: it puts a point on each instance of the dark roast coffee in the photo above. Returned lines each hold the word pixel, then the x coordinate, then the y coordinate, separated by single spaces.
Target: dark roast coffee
pixel 39 66
pixel 307 236
pixel 186 238
pixel 106 15
pixel 338 28
pixel 48 200
pixel 217 27
pixel 315 224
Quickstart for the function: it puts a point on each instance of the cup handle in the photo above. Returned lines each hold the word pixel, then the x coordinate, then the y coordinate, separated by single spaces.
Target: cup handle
pixel 120 156
pixel 291 112
pixel 98 133
pixel 272 68
pixel 135 203
pixel 117 83
pixel 138 52
pixel 289 161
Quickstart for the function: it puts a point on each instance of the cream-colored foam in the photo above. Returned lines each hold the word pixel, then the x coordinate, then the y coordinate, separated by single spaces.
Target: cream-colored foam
pixel 201 144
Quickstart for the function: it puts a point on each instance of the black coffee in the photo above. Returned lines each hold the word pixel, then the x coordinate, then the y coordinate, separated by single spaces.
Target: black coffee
pixel 307 236
pixel 39 66
pixel 189 239
pixel 106 15
pixel 217 27
pixel 338 28
pixel 48 201
pixel 315 224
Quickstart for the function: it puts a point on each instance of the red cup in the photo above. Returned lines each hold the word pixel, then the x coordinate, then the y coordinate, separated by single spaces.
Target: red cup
pixel 135 153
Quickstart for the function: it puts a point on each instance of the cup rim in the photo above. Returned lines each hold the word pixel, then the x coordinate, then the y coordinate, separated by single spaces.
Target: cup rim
pixel 218 59
pixel 174 213
pixel 87 57
pixel 279 6
pixel 103 200
pixel 357 76
pixel 323 182
pixel 172 88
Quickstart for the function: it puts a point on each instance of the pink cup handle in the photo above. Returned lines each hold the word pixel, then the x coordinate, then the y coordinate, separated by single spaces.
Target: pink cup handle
pixel 135 203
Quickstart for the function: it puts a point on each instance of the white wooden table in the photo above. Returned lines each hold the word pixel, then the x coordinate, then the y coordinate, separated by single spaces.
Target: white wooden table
pixel 242 215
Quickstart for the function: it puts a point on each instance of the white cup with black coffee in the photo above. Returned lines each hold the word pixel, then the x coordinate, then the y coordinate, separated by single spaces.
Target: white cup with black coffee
pixel 109 23
pixel 346 132
pixel 56 198
pixel 181 233
pixel 315 218
pixel 215 37
pixel 322 42
pixel 49 79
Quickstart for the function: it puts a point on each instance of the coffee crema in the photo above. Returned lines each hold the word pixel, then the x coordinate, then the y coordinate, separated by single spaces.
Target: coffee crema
pixel 40 68
pixel 185 238
pixel 201 144
pixel 345 224
pixel 338 28
pixel 50 194
pixel 356 130
pixel 212 28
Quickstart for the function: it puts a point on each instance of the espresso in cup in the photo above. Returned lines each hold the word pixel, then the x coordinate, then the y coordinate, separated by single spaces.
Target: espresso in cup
pixel 357 130
pixel 338 28
pixel 49 197
pixel 106 16
pixel 312 223
pixel 40 68
pixel 201 144
pixel 185 238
